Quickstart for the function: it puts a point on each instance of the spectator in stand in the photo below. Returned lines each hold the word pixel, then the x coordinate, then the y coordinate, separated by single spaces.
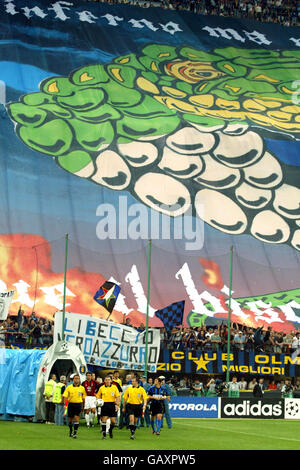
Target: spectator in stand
pixel 201 340
pixel 24 332
pixel 269 343
pixel 258 340
pixel 239 341
pixel 296 343
pixel 36 333
pixel 47 334
pixel 163 338
pixel 20 317
pixel 216 340
pixel 126 321
pixel 268 340
pixel 187 340
pixel 252 383
pixel 184 382
pixel 249 340
pixel 12 331
pixel 272 385
pixel 34 317
pixel 297 385
pixel 287 343
pixel 243 384
pixel 280 384
pixel 209 332
pixel 141 328
pixel 176 337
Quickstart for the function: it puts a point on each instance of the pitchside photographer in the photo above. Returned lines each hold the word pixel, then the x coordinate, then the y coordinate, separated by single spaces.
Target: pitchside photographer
pixel 220 387
pixel 287 390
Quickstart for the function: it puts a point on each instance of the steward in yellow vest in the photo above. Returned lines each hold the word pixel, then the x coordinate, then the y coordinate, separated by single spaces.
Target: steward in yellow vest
pixel 48 395
pixel 58 399
pixel 49 388
pixel 58 391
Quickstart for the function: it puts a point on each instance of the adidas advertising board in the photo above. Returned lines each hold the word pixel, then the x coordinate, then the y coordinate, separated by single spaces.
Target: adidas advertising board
pixel 194 407
pixel 252 408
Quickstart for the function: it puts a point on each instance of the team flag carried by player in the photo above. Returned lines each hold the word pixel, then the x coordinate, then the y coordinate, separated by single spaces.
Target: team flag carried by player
pixel 172 315
pixel 107 295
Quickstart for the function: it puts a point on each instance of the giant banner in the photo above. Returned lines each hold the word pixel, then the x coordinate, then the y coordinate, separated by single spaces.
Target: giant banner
pixel 241 363
pixel 107 344
pixel 121 124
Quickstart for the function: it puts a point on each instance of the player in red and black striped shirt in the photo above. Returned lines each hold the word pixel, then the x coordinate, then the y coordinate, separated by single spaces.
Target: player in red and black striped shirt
pixel 91 387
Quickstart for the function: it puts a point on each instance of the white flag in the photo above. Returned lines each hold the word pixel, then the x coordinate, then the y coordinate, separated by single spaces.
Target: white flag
pixel 5 301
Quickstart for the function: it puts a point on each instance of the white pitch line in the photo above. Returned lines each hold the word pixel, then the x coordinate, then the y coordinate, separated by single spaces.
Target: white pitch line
pixel 241 432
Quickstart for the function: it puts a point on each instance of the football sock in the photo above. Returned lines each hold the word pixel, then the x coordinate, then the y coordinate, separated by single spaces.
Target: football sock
pixel 87 418
pixel 153 424
pixel 159 421
pixel 71 428
pixel 76 425
pixel 132 428
pixel 104 429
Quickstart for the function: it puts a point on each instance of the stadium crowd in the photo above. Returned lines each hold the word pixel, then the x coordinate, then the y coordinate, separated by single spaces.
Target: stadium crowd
pixel 34 331
pixel 284 12
pixel 28 331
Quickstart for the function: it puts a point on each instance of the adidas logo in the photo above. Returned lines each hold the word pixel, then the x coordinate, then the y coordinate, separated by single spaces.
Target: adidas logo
pixel 248 409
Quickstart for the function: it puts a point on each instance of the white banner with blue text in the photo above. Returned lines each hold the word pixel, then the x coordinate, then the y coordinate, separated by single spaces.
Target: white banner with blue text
pixel 107 344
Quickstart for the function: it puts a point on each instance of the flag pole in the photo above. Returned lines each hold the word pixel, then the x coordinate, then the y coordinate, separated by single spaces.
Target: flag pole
pixel 65 279
pixel 147 312
pixel 229 316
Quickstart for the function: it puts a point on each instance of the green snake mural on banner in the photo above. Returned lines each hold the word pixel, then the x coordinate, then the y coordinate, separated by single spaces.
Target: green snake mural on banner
pixel 178 127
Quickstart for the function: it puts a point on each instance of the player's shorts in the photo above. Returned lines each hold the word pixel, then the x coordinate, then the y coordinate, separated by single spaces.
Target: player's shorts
pixel 74 409
pixel 135 410
pixel 90 403
pixel 109 409
pixel 157 407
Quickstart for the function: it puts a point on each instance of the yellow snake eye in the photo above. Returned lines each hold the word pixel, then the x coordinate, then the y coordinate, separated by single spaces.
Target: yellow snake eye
pixel 192 72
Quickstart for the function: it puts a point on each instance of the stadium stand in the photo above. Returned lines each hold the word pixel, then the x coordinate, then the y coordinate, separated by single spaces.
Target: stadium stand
pixel 284 12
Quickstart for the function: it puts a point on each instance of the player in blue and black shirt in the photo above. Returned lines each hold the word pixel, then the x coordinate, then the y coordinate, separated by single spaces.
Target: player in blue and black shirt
pixel 157 394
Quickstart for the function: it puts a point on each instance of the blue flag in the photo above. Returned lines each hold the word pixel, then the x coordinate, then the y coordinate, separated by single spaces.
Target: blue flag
pixel 107 295
pixel 172 315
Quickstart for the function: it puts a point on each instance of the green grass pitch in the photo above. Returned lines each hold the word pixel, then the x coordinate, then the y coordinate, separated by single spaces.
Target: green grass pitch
pixel 186 434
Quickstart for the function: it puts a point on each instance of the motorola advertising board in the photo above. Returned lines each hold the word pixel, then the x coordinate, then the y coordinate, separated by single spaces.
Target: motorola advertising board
pixel 194 407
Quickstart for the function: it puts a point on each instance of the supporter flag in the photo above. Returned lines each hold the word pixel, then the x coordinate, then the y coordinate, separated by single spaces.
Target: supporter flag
pixel 107 295
pixel 172 315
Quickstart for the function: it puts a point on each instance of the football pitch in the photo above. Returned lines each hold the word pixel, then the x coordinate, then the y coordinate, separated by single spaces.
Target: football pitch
pixel 186 434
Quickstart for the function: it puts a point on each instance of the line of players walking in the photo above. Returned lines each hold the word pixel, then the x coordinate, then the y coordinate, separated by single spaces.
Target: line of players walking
pixel 111 402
